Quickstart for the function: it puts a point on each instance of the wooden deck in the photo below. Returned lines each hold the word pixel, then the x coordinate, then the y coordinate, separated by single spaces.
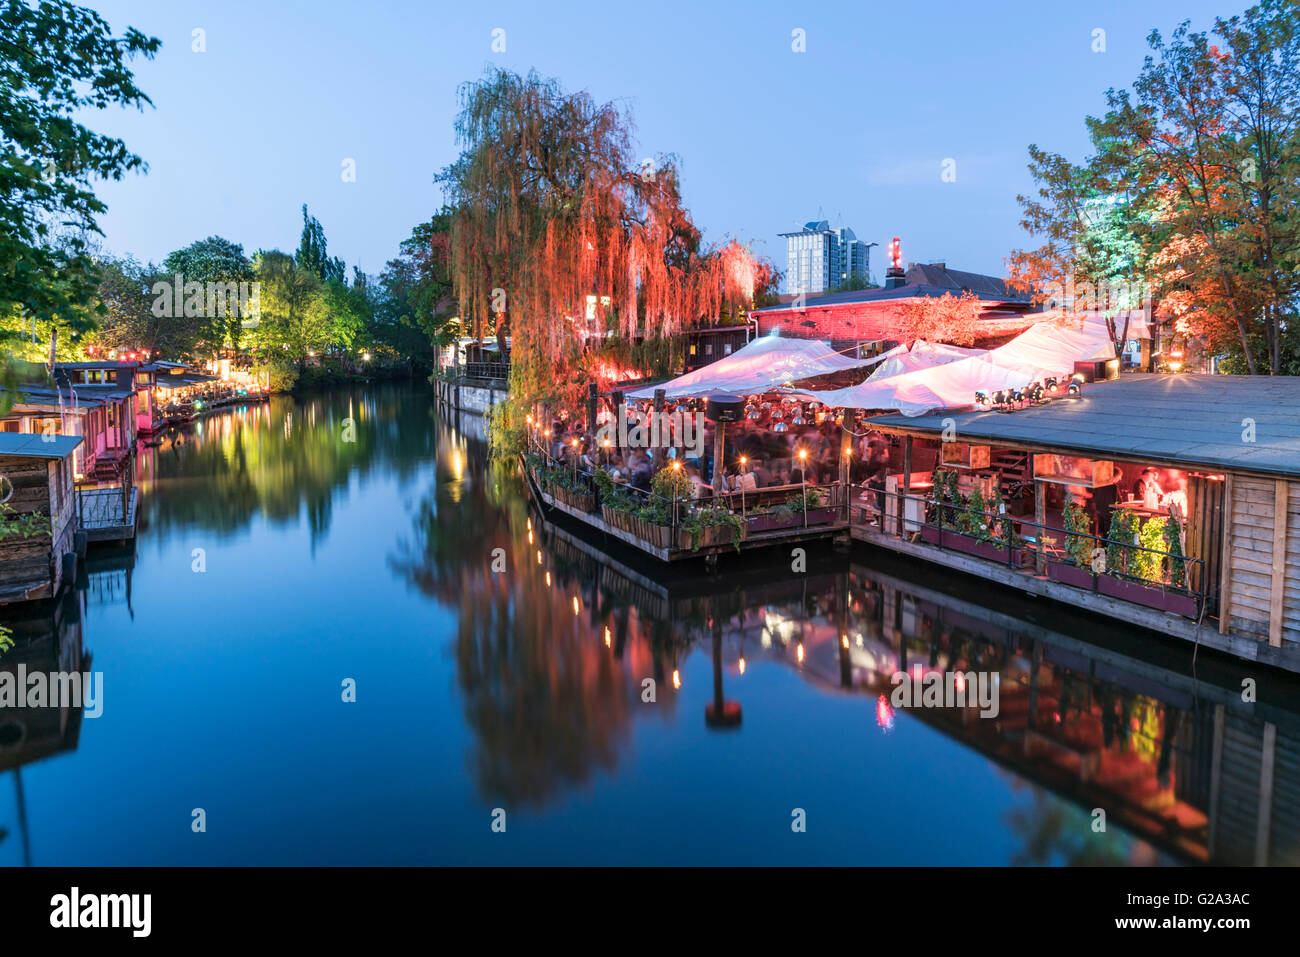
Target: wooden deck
pixel 782 536
pixel 1204 633
pixel 102 517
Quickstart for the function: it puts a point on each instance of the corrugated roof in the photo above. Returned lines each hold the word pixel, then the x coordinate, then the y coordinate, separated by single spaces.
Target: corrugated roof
pixel 1200 420
pixel 38 446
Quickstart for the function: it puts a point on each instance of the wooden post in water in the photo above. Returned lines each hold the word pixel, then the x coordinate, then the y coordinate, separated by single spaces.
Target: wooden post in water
pixel 658 411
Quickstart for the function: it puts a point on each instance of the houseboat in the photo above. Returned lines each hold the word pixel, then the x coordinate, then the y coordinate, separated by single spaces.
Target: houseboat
pixel 37 501
pixel 1170 501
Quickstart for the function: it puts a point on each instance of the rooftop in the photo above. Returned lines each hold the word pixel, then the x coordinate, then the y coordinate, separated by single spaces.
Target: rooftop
pixel 1201 420
pixel 924 280
pixel 38 446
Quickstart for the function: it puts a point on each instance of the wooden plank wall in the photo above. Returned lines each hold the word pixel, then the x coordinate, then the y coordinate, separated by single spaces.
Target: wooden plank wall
pixel 25 570
pixel 1248 562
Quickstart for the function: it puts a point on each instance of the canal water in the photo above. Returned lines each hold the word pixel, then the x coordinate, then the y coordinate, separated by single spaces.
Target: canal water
pixel 294 555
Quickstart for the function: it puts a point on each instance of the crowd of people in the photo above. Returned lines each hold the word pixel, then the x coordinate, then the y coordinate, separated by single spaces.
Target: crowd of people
pixel 756 457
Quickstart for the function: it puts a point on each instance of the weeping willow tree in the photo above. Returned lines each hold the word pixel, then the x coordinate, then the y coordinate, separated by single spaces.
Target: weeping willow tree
pixel 560 236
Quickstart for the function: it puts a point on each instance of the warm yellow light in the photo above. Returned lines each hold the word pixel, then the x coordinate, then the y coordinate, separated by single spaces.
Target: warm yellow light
pixel 548 579
pixel 803 453
pixel 607 638
pixel 798 652
pixel 539 556
pixel 844 641
pixel 547 433
pixel 743 460
pixel 741 664
pixel 606 443
pixel 530 536
pixel 574 443
pixel 677 679
pixel 529 419
pixel 676 465
pixel 575 604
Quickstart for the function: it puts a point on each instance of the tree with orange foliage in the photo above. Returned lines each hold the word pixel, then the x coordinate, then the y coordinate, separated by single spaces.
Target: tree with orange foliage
pixel 946 318
pixel 1204 152
pixel 559 236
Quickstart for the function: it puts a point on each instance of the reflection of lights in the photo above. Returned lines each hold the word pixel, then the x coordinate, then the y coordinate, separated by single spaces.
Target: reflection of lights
pixel 959 681
pixel 575 604
pixel 884 713
pixel 539 556
pixel 530 536
pixel 548 579
pixel 457 464
pixel 798 652
pixel 741 664
pixel 677 679
pixel 607 638
pixel 844 641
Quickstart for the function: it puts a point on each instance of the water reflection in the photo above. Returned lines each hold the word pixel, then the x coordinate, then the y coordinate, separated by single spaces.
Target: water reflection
pixel 45 640
pixel 505 660
pixel 552 649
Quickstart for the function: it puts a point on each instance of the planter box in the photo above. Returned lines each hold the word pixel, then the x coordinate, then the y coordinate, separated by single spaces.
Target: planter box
pixel 1070 574
pixel 769 522
pixel 584 501
pixel 968 544
pixel 1174 602
pixel 710 535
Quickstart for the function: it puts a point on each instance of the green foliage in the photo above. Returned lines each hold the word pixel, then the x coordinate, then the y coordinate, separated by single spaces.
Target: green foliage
pixel 211 260
pixel 975 520
pixel 1123 536
pixel 58 61
pixel 1174 546
pixel 312 252
pixel 1077 545
pixel 671 484
pixel 1149 565
pixel 713 517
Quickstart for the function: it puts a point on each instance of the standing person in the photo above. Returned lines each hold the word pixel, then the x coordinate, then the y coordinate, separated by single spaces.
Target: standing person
pixel 1102 501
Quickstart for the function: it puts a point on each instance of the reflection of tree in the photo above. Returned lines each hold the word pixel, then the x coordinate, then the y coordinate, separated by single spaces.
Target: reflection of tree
pixel 548 701
pixel 280 460
pixel 1056 832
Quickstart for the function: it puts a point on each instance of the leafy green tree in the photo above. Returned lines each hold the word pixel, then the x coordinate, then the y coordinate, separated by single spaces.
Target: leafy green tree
pixel 312 251
pixel 212 260
pixel 294 314
pixel 57 61
pixel 128 318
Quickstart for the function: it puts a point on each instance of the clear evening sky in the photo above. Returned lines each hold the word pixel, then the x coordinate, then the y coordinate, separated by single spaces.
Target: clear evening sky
pixel 856 128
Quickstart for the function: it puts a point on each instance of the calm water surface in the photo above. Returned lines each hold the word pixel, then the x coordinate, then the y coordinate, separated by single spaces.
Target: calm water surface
pixel 276 561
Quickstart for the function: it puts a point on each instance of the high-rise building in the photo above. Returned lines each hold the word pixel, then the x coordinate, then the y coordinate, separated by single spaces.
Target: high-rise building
pixel 819 258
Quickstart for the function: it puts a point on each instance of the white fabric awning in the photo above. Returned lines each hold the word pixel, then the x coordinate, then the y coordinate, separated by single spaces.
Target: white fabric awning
pixel 1049 348
pixel 767 363
pixel 922 355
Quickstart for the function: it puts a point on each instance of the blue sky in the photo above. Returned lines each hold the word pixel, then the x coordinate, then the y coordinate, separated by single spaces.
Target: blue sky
pixel 856 128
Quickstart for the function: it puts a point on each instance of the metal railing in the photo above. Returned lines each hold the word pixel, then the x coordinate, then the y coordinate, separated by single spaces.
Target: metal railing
pixel 1020 542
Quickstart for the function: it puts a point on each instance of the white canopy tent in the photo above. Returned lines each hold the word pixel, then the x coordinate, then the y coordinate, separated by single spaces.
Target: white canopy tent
pixel 1049 348
pixel 922 355
pixel 767 363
